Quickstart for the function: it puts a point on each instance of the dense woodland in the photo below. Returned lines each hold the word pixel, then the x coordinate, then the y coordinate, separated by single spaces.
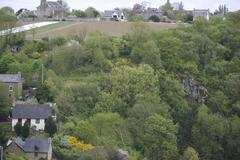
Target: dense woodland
pixel 127 92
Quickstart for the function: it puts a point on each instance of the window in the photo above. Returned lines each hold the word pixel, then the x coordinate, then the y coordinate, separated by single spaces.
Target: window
pixel 10 88
pixel 37 121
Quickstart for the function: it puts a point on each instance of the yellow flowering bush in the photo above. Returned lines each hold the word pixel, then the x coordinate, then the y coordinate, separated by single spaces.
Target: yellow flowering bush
pixel 78 144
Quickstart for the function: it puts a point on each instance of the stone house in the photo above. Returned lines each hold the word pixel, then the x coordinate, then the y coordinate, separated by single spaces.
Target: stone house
pixel 52 9
pixel 14 84
pixel 35 114
pixel 30 148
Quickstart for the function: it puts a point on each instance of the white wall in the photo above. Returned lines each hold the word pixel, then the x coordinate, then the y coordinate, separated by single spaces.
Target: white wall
pixel 39 126
pixel 14 122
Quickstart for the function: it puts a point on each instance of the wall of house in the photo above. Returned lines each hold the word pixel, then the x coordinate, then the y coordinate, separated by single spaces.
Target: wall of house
pixel 39 126
pixel 16 93
pixel 33 123
pixel 13 148
pixel 14 122
pixel 31 156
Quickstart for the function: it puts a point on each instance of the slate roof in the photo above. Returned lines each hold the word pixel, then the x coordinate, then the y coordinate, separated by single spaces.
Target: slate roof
pixel 32 145
pixel 109 13
pixel 200 11
pixel 55 5
pixel 10 78
pixel 31 111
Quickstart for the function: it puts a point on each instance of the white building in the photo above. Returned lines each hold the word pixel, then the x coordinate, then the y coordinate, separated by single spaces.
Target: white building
pixel 114 15
pixel 35 114
pixel 204 13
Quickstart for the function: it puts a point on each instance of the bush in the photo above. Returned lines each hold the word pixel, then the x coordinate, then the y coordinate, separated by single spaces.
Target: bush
pixel 18 128
pixel 154 18
pixel 25 130
pixel 43 94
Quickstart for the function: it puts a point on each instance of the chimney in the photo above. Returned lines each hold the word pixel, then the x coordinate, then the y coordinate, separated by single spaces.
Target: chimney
pixel 50 149
pixel 49 140
pixel 60 1
pixel 19 74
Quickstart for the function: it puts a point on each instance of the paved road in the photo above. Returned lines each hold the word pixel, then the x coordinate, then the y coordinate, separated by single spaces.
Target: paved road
pixel 26 27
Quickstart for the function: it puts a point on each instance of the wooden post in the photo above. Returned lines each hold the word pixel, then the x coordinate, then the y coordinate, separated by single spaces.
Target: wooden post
pixel 42 74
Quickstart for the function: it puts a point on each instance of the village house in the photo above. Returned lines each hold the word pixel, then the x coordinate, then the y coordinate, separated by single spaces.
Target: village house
pixel 30 148
pixel 13 82
pixel 35 114
pixel 52 9
pixel 204 13
pixel 114 15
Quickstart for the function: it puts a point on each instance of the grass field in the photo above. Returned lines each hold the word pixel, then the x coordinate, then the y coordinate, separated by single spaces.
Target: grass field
pixel 109 27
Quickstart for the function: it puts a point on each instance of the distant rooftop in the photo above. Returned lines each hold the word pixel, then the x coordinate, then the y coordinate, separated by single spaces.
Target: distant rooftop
pixel 31 111
pixel 109 13
pixel 32 145
pixel 10 78
pixel 201 10
pixel 55 5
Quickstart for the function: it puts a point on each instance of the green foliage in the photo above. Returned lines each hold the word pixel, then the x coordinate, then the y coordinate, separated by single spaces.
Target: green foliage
pixel 18 128
pixel 190 154
pixel 5 102
pixel 78 99
pixel 110 129
pixel 13 156
pixel 154 18
pixel 25 130
pixel 43 94
pixel 208 134
pixel 91 12
pixel 167 9
pixel 146 105
pixel 110 103
pixel 85 131
pixel 148 53
pixel 7 21
pixel 79 13
pixel 126 82
pixel 160 139
pixel 6 129
pixel 50 126
pixel 5 61
pixel 232 138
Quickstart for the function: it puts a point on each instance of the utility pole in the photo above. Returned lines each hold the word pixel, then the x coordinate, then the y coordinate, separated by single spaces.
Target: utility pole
pixel 42 74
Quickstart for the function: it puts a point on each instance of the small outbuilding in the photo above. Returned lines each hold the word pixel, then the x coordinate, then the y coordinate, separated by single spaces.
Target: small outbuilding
pixel 31 148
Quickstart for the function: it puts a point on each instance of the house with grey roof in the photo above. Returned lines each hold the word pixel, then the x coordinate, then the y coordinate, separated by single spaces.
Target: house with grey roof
pixel 204 13
pixel 33 149
pixel 13 84
pixel 52 9
pixel 117 15
pixel 35 114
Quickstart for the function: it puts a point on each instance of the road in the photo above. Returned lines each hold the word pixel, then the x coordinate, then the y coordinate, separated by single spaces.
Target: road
pixel 26 27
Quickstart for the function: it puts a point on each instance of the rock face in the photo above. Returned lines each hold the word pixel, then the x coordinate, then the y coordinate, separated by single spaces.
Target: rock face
pixel 194 89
